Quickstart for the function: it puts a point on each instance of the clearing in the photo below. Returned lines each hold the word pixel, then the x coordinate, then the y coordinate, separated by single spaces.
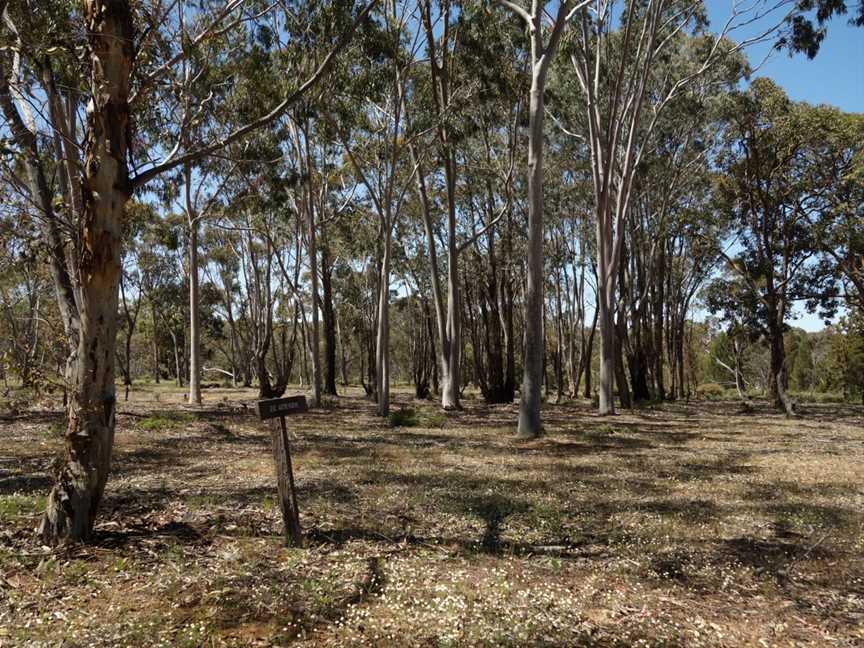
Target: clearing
pixel 677 525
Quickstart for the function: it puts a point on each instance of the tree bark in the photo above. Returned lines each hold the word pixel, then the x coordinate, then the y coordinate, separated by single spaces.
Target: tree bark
pixel 588 353
pixel 606 403
pixel 155 346
pixel 343 353
pixel 532 377
pixel 89 437
pixel 194 304
pixel 314 346
pixel 329 317
pixel 382 340
pixel 778 379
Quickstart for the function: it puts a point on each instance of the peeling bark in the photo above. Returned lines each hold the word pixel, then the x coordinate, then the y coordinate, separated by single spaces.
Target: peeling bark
pixel 89 437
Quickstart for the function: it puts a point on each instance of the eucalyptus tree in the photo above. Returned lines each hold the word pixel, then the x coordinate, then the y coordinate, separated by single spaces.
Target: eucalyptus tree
pixel 490 119
pixel 376 141
pixel 222 271
pixel 160 282
pixel 29 331
pixel 313 152
pixel 131 295
pixel 847 353
pixel 808 25
pixel 355 239
pixel 460 65
pixel 544 39
pixel 773 186
pixel 671 230
pixel 439 54
pixel 322 194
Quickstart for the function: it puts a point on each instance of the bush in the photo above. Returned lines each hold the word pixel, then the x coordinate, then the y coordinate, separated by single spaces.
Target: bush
pixel 406 417
pixel 835 398
pixel 434 419
pixel 710 391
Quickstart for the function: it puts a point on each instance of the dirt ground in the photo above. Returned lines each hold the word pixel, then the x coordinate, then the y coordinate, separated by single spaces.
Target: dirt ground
pixel 681 525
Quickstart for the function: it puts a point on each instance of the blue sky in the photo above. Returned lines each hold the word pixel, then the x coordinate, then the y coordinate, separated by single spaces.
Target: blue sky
pixel 835 76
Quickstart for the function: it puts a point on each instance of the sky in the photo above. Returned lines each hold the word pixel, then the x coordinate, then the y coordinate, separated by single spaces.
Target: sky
pixel 834 77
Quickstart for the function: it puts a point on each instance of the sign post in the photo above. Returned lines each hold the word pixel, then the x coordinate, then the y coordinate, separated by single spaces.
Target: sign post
pixel 280 408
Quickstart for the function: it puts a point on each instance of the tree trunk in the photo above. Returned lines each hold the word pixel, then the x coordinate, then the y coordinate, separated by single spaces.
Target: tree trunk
pixel 155 345
pixel 777 380
pixel 639 374
pixel 620 375
pixel 178 369
pixel 606 404
pixel 314 346
pixel 329 318
pixel 659 302
pixel 585 361
pixel 447 317
pixel 89 438
pixel 343 354
pixel 232 333
pixel 559 349
pixel 450 378
pixel 532 377
pixel 382 341
pixel 194 301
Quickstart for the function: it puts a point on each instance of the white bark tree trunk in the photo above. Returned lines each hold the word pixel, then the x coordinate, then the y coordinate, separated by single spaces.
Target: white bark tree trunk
pixel 606 402
pixel 315 342
pixel 194 298
pixel 382 342
pixel 541 56
pixel 89 437
pixel 532 377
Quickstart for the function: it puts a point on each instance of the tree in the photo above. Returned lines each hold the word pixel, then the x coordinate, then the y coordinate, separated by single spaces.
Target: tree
pixel 626 79
pixel 807 26
pixel 772 186
pixel 542 52
pixel 382 169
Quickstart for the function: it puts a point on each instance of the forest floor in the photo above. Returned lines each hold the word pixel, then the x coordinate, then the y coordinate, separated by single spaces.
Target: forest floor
pixel 676 525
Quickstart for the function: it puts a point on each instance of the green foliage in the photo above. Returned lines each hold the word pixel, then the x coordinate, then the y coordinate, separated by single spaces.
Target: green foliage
pixel 165 420
pixel 409 417
pixel 847 355
pixel 803 370
pixel 403 417
pixel 17 505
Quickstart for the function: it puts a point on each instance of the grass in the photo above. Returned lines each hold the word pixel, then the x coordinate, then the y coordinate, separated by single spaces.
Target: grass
pixel 680 525
pixel 410 417
pixel 16 506
pixel 165 420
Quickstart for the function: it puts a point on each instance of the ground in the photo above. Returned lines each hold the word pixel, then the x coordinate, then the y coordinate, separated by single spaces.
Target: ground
pixel 676 525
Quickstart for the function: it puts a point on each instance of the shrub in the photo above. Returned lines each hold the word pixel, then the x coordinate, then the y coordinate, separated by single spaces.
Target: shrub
pixel 434 419
pixel 408 417
pixel 835 398
pixel 405 417
pixel 710 391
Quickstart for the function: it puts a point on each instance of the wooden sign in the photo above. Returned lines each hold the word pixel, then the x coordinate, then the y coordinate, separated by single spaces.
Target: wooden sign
pixel 273 407
pixel 280 408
